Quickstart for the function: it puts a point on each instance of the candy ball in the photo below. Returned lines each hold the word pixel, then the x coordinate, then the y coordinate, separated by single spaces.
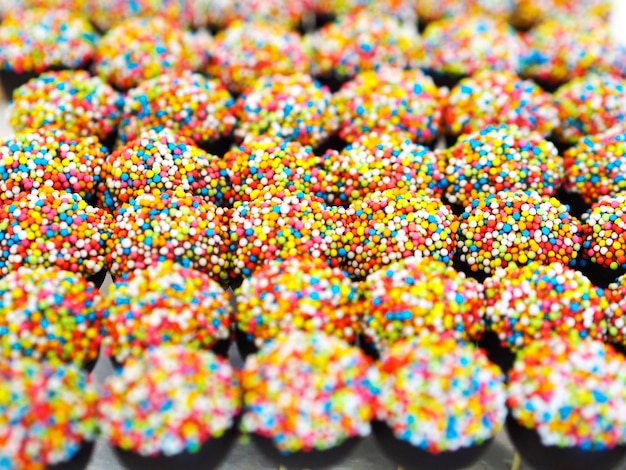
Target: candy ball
pixel 604 238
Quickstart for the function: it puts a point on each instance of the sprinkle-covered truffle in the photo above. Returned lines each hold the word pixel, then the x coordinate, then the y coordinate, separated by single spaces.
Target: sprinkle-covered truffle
pixel 616 311
pixel 440 395
pixel 590 105
pixel 49 314
pixel 159 162
pixel 185 102
pixel 169 226
pixel 308 391
pixel 50 158
pixel 364 41
pixel 570 392
pixel 389 100
pixel 47 412
pixel 517 227
pixel 376 162
pixel 492 98
pixel 605 233
pixel 142 48
pixel 72 101
pixel 465 45
pixel 40 39
pixel 390 225
pixel 540 301
pixel 503 158
pixel 53 228
pixel 169 401
pixel 293 107
pixel 245 52
pixel 416 296
pixel 164 304
pixel 300 292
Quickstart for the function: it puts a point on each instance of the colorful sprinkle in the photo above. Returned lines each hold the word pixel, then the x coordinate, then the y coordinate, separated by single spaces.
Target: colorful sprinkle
pixel 605 233
pixel 433 10
pixel 109 13
pixel 616 311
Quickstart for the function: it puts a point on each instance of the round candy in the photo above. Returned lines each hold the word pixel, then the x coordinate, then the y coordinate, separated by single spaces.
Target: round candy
pixel 40 39
pixel 540 301
pixel 47 413
pixel 492 98
pixel 604 240
pixel 432 10
pixel 364 41
pixel 169 226
pixel 164 304
pixel 616 311
pixel 106 14
pixel 376 162
pixel 300 292
pixel 267 163
pixel 50 158
pixel 284 224
pixel 72 101
pixel 244 52
pixel 389 100
pixel 415 297
pixel 465 45
pixel 590 105
pixel 440 395
pixel 169 401
pixel 53 228
pixel 571 392
pixel 308 391
pixel 185 102
pixel 159 162
pixel 390 225
pixel 49 314
pixel 138 49
pixel 503 158
pixel 517 228
pixel 293 107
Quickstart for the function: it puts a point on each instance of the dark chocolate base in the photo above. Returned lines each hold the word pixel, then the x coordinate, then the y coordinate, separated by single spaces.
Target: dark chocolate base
pixel 501 356
pixel 79 461
pixel 210 455
pixel 333 142
pixel 333 81
pixel 410 457
pixel 600 276
pixel 577 205
pixel 98 278
pixel 218 147
pixel 309 460
pixel 368 347
pixel 245 344
pixel 451 140
pixel 449 80
pixel 542 457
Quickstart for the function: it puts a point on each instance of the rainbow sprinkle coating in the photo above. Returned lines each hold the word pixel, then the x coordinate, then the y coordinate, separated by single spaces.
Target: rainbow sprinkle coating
pixel 284 224
pixel 71 100
pixel 142 48
pixel 47 412
pixel 596 166
pixel 169 226
pixel 466 45
pixel 50 158
pixel 161 161
pixel 590 105
pixel 517 228
pixel 300 292
pixel 308 391
pixel 271 164
pixel 540 301
pixel 40 39
pixel 53 228
pixel 492 98
pixel 377 162
pixel 187 103
pixel 414 297
pixel 440 395
pixel 286 13
pixel 389 100
pixel 50 314
pixel 616 311
pixel 244 52
pixel 503 158
pixel 604 233
pixel 571 392
pixel 108 13
pixel 364 41
pixel 172 400
pixel 432 10
pixel 162 304
pixel 293 107
pixel 528 13
pixel 387 226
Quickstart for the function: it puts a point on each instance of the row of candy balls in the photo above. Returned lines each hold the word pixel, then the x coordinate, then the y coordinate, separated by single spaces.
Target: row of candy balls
pixel 555 52
pixel 310 391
